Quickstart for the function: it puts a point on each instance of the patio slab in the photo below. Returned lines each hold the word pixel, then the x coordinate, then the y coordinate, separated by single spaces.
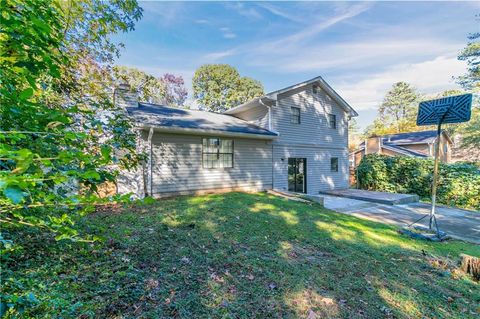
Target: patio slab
pixel 457 223
pixel 374 197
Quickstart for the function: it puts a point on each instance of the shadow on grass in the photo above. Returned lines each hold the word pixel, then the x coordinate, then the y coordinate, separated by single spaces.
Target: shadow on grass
pixel 240 256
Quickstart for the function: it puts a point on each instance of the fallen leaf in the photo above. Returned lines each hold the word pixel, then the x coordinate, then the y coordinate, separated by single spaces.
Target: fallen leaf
pixel 272 286
pixel 311 314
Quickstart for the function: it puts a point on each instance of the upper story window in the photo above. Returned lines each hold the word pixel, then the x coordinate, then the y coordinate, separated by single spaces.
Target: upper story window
pixel 217 152
pixel 334 164
pixel 295 115
pixel 315 89
pixel 332 120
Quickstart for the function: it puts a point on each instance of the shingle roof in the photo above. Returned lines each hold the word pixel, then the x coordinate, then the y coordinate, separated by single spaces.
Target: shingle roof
pixel 411 137
pixel 161 116
pixel 426 137
pixel 403 150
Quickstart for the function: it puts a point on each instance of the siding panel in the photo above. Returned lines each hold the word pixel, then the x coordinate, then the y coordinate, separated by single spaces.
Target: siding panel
pixel 319 176
pixel 257 115
pixel 312 139
pixel 313 128
pixel 178 167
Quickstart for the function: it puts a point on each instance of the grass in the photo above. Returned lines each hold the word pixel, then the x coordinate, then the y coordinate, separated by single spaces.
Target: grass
pixel 237 255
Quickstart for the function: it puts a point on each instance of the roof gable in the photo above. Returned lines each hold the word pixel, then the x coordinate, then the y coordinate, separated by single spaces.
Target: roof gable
pixel 272 96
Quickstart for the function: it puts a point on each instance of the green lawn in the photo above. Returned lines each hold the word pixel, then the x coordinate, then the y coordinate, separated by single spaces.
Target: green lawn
pixel 238 256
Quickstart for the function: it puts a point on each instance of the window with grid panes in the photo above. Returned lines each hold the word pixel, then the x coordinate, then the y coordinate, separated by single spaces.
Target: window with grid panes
pixel 295 115
pixel 217 152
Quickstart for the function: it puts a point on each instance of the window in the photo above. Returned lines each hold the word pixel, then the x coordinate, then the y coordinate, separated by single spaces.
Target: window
pixel 217 153
pixel 332 121
pixel 334 164
pixel 316 89
pixel 295 112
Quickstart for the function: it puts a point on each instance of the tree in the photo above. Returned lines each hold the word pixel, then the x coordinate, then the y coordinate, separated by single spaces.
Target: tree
pixel 399 107
pixel 168 89
pixel 353 134
pixel 471 54
pixel 219 87
pixel 378 128
pixel 470 131
pixel 54 58
pixel 176 92
pixel 150 89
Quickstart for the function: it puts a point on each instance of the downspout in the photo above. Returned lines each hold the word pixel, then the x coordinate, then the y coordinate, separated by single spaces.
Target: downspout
pixel 150 162
pixel 269 107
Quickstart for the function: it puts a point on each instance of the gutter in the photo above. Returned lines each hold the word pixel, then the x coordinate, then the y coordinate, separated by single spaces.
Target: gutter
pixel 190 131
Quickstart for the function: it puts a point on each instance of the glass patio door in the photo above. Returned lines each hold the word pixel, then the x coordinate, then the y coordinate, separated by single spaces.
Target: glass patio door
pixel 297 175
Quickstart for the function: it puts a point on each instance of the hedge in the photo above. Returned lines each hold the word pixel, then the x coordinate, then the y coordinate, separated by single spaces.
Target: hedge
pixel 458 183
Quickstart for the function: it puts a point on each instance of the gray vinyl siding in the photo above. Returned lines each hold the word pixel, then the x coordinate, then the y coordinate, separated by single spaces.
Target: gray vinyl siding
pixel 312 139
pixel 177 165
pixel 257 115
pixel 319 176
pixel 313 127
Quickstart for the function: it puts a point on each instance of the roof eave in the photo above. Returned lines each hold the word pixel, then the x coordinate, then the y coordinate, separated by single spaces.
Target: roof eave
pixel 337 97
pixel 273 96
pixel 400 151
pixel 247 105
pixel 190 131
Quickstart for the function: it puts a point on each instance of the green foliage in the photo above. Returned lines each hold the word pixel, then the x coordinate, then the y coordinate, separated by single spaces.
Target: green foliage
pixel 397 113
pixel 458 184
pixel 168 89
pixel 150 89
pixel 55 109
pixel 471 54
pixel 219 87
pixel 60 134
pixel 471 83
pixel 471 131
pixel 399 107
pixel 235 256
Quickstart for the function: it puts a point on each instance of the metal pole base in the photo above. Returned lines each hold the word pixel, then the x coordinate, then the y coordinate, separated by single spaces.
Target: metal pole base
pixel 432 221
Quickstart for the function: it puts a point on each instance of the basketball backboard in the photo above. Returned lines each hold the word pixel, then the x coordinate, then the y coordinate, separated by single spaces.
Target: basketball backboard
pixel 451 109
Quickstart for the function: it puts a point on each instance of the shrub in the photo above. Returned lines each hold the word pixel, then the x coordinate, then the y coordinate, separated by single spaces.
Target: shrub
pixel 458 183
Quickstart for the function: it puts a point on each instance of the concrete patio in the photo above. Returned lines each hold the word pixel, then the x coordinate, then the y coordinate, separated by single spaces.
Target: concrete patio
pixel 372 196
pixel 457 223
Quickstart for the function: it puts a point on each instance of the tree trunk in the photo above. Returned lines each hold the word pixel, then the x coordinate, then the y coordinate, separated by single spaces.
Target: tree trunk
pixel 471 265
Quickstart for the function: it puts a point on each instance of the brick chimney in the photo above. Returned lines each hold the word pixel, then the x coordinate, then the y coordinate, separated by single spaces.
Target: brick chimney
pixel 373 145
pixel 125 97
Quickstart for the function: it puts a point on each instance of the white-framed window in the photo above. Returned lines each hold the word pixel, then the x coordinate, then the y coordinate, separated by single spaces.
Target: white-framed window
pixel 217 152
pixel 295 115
pixel 332 121
pixel 334 164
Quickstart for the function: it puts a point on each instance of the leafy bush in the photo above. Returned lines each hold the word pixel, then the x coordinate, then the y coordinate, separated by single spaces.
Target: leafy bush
pixel 458 183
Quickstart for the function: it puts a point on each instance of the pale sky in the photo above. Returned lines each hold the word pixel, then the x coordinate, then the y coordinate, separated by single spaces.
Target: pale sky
pixel 360 48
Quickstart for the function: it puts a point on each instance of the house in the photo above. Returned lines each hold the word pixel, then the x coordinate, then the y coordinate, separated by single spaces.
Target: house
pixel 293 139
pixel 413 144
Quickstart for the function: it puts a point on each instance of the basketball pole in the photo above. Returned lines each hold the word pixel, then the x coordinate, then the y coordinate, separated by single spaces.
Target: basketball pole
pixel 450 109
pixel 433 218
pixel 435 177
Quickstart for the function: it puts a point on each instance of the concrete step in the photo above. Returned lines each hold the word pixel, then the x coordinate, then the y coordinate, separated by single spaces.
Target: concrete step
pixel 300 197
pixel 374 197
